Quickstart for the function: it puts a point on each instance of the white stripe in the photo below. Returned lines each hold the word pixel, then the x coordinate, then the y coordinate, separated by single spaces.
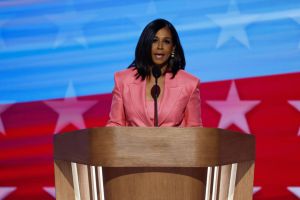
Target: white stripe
pixel 243 18
pixel 232 181
pixel 215 184
pixel 94 183
pixel 101 185
pixel 75 181
pixel 208 183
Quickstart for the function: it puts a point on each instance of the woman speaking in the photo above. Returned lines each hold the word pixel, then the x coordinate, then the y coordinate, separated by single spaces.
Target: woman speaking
pixel 155 90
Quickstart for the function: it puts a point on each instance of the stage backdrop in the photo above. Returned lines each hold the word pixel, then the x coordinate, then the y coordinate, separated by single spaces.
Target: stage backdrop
pixel 58 57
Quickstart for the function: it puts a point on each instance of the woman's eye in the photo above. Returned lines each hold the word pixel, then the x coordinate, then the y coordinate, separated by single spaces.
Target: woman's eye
pixel 155 40
pixel 167 41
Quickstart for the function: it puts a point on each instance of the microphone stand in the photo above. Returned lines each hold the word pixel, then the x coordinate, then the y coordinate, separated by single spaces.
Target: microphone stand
pixel 156 73
pixel 155 104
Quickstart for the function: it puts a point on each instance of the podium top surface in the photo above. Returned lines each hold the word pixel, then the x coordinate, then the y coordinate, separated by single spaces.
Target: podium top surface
pixel 154 147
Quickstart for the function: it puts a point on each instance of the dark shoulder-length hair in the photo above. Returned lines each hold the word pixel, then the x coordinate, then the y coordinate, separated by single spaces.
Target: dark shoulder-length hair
pixel 143 60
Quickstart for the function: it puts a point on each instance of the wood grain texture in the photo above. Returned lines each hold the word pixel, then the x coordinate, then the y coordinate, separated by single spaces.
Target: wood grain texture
pixel 154 163
pixel 84 181
pixel 244 181
pixel 154 147
pixel 224 182
pixel 63 180
pixel 154 183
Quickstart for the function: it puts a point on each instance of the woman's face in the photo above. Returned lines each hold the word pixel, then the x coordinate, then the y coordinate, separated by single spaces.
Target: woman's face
pixel 162 47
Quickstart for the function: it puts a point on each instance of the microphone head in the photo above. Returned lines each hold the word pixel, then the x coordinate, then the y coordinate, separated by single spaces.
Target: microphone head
pixel 156 72
pixel 155 91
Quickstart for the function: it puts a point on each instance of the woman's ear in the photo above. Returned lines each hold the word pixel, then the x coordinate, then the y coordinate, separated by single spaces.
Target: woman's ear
pixel 174 47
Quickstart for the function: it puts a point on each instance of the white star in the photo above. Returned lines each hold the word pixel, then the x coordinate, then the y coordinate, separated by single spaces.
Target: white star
pixel 233 110
pixel 50 190
pixel 4 105
pixel 295 191
pixel 70 25
pixel 149 9
pixel 296 104
pixel 5 191
pixel 70 110
pixel 233 25
pixel 256 189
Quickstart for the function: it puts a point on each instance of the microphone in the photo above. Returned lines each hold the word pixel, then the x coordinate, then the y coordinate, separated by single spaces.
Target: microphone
pixel 155 91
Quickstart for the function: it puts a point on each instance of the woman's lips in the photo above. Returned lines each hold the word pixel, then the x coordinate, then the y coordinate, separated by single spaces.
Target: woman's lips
pixel 159 55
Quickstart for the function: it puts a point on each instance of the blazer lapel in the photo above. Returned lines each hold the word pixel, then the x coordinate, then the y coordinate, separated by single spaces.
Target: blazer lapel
pixel 171 93
pixel 138 98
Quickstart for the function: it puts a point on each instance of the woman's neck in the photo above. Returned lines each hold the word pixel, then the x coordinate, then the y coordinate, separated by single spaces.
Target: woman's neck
pixel 163 69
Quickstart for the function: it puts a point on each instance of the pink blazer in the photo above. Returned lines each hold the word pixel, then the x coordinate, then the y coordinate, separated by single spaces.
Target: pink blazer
pixel 179 106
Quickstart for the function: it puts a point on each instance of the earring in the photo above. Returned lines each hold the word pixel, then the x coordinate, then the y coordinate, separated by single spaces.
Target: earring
pixel 173 54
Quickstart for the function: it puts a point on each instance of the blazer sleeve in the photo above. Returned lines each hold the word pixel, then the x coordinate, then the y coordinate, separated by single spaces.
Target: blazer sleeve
pixel 192 115
pixel 117 114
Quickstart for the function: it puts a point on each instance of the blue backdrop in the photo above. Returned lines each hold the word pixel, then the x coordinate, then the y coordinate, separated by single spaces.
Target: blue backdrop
pixel 45 44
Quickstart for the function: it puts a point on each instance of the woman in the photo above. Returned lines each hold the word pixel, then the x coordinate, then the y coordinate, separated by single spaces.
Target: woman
pixel 179 100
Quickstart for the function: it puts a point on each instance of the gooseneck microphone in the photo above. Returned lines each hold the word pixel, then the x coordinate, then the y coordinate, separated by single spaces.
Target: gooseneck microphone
pixel 155 91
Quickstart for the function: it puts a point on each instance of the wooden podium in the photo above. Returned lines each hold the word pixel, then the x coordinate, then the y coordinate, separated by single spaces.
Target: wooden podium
pixel 134 163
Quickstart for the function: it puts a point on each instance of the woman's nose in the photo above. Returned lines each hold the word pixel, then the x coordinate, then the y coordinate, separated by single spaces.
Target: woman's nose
pixel 160 45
